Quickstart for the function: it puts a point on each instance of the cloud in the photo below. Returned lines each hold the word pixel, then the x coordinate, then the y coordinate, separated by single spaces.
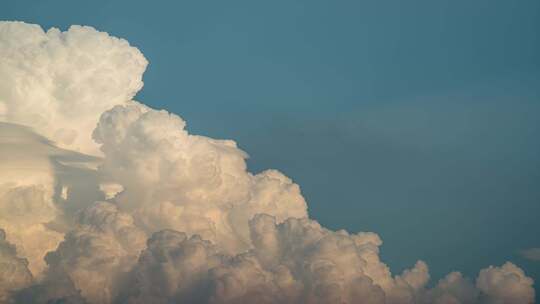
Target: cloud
pixel 60 82
pixel 195 184
pixel 98 252
pixel 164 216
pixel 14 273
pixel 26 193
pixel 507 284
pixel 532 254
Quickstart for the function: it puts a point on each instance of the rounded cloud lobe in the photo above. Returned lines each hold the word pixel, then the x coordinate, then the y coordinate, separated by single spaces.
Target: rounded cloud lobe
pixel 60 82
pixel 175 180
pixel 166 216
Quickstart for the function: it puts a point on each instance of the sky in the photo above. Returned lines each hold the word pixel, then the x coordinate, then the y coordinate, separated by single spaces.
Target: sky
pixel 417 120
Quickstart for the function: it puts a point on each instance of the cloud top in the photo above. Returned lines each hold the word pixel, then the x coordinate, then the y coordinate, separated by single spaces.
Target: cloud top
pixel 60 82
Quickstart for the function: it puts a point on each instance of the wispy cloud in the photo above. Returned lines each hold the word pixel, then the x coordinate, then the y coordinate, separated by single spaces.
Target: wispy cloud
pixel 532 254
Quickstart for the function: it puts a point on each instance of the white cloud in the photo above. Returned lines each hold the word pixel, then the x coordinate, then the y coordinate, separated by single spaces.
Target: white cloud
pixel 97 255
pixel 453 288
pixel 165 216
pixel 195 184
pixel 505 284
pixel 59 82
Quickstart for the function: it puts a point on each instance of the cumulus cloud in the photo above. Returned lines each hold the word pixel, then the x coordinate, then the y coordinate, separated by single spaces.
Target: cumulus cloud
pixel 164 216
pixel 97 255
pixel 174 180
pixel 60 82
pixel 506 284
pixel 296 261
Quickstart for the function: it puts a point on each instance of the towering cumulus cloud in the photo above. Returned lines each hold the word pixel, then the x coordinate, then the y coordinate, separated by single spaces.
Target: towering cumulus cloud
pixel 158 215
pixel 60 82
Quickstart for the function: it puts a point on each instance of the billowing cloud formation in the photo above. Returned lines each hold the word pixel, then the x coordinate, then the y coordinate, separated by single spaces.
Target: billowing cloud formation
pixel 98 252
pixel 60 82
pixel 507 284
pixel 164 216
pixel 174 180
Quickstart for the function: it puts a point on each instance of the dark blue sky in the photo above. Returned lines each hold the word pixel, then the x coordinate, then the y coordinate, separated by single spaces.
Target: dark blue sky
pixel 417 119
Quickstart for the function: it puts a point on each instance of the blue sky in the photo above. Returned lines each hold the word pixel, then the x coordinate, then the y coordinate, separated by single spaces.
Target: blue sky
pixel 414 119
